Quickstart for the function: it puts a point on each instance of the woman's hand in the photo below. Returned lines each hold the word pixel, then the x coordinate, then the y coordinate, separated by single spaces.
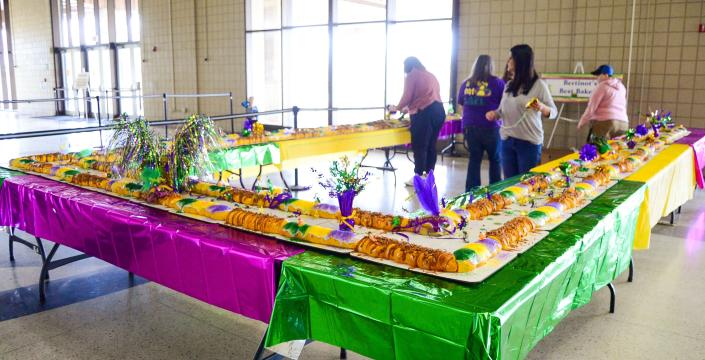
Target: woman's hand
pixel 540 107
pixel 491 116
pixel 392 109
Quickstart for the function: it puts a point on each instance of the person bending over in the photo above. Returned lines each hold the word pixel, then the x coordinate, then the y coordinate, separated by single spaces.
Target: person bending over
pixel 422 100
pixel 607 109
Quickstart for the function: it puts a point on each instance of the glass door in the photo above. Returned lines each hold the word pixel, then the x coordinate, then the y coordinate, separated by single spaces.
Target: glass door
pixel 101 79
pixel 129 80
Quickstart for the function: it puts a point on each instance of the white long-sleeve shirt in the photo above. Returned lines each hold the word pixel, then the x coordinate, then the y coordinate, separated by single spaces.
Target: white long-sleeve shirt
pixel 511 109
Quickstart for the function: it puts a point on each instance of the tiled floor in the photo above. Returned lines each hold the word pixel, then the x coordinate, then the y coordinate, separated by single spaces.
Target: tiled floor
pixel 94 312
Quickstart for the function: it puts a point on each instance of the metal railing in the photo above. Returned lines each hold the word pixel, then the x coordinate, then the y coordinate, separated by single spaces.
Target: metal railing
pixel 102 97
pixel 100 128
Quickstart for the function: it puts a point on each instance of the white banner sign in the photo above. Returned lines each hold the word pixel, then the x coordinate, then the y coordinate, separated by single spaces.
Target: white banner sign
pixel 566 87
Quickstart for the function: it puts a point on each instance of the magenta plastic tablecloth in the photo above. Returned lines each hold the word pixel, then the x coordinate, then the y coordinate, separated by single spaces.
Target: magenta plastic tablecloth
pixel 231 269
pixel 696 140
pixel 450 128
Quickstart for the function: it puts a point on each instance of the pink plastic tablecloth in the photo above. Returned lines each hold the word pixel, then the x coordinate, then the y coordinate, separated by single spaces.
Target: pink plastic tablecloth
pixel 696 140
pixel 224 267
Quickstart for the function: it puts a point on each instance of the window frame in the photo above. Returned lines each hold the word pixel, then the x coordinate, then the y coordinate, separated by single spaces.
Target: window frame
pixel 389 4
pixel 63 43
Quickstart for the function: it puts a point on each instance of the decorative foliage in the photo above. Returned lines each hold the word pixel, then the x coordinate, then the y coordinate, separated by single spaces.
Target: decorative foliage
pixel 344 184
pixel 135 145
pixel 344 176
pixel 189 155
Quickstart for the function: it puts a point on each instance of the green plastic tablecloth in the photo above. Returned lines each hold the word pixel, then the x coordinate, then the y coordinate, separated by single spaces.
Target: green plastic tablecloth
pixel 245 156
pixel 385 312
pixel 7 173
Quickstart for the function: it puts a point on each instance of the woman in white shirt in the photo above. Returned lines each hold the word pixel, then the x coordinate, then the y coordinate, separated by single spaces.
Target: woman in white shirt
pixel 522 129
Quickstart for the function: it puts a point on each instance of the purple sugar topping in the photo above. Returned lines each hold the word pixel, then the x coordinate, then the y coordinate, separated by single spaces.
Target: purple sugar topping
pixel 327 208
pixel 218 208
pixel 591 182
pixel 556 205
pixel 342 236
pixel 491 244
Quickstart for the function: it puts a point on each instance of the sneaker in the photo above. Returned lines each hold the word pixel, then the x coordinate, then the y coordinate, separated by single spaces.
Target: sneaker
pixel 410 182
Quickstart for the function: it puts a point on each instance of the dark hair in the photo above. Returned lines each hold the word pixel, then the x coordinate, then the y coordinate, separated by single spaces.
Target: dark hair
pixel 507 75
pixel 481 70
pixel 412 63
pixel 524 73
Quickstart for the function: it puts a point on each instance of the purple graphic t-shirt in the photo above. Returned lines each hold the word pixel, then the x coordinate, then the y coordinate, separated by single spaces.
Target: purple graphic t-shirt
pixel 479 98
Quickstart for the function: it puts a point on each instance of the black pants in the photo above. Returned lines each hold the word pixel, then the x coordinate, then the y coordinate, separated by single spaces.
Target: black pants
pixel 425 126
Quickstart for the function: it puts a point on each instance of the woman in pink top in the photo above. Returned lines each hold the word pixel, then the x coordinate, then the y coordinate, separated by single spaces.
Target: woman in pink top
pixel 422 100
pixel 607 109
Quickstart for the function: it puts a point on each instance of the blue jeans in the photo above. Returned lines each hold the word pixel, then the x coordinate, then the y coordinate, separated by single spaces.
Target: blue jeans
pixel 478 140
pixel 424 128
pixel 519 156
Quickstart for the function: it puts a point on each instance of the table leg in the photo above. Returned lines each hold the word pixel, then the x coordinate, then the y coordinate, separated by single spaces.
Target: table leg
pixel 44 272
pixel 11 241
pixel 254 184
pixel 49 264
pixel 239 175
pixel 631 270
pixel 40 250
pixel 613 297
pixel 343 353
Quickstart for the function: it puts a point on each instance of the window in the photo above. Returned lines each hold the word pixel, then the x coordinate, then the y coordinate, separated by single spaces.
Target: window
pixel 350 59
pixel 7 72
pixel 101 38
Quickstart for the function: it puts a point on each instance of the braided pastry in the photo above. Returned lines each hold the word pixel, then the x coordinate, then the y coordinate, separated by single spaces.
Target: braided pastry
pixel 409 254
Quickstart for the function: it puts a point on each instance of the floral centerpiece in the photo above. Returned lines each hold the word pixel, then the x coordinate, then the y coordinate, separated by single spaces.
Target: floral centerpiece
pixel 344 183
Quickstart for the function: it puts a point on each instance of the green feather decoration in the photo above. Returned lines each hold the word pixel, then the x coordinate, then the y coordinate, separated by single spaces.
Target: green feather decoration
pixel 135 145
pixel 189 152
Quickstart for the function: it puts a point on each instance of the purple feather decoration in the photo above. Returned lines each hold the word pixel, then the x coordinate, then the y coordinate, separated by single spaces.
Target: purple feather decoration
pixel 588 152
pixel 655 127
pixel 631 144
pixel 427 193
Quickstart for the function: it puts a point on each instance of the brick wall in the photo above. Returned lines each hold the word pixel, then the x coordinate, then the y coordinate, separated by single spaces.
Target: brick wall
pixel 34 61
pixel 200 48
pixel 668 54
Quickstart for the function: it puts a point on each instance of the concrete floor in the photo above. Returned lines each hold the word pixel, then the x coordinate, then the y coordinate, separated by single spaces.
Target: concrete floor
pixel 94 312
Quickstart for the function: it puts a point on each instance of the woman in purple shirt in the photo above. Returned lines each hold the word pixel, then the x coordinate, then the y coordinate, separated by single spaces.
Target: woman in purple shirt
pixel 480 93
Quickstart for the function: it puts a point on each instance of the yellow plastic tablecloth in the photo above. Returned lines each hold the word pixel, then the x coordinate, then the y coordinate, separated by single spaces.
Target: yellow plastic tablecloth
pixel 302 153
pixel 310 147
pixel 546 167
pixel 670 183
